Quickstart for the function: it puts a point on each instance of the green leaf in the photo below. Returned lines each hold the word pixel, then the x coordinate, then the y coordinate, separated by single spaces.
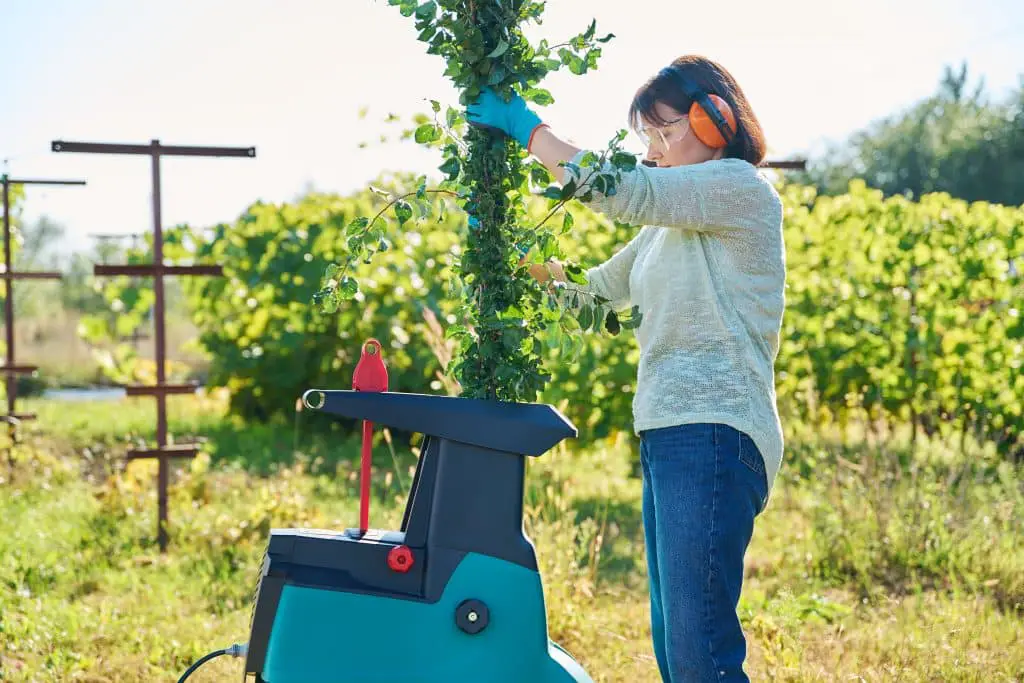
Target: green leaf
pixel 567 222
pixel 347 288
pixel 538 96
pixel 548 246
pixel 451 117
pixel 575 274
pixel 611 323
pixel 428 132
pixel 633 321
pixel 552 192
pixel 499 50
pixel 586 316
pixel 451 167
pixel 568 190
pixel 426 10
pixel 357 225
pixel 435 105
pixel 539 174
pixel 623 161
pixel 497 75
pixel 403 212
pixel 456 331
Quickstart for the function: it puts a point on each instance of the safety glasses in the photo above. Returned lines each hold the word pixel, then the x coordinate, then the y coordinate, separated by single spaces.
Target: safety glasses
pixel 665 135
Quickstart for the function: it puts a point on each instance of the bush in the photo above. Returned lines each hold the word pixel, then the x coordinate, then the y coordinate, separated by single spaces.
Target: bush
pixel 896 311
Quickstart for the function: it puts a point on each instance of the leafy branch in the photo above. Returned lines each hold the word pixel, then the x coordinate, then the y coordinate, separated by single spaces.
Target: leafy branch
pixel 504 315
pixel 364 240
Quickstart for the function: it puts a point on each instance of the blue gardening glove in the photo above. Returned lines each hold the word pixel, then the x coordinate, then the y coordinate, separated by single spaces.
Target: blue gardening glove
pixel 512 118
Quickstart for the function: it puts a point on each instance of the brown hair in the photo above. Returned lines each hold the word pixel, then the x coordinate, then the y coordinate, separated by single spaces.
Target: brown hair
pixel 748 143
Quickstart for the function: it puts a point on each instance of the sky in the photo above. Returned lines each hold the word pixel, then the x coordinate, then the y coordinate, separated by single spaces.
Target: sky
pixel 290 78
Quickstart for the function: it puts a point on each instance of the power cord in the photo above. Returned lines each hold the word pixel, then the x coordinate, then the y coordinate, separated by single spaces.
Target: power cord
pixel 236 650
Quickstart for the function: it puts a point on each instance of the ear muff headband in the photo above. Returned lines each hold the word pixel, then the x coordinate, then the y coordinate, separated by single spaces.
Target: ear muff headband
pixel 711 118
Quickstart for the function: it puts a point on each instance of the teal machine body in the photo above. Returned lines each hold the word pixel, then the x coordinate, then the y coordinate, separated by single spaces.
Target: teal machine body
pixel 453 596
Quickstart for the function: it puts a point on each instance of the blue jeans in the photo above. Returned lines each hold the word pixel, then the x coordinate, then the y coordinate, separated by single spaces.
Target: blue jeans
pixel 703 485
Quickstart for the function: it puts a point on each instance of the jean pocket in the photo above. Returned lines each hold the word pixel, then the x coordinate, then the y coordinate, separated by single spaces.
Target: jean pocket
pixel 750 455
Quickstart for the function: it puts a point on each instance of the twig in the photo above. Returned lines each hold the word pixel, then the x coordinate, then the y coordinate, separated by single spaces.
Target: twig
pixel 348 262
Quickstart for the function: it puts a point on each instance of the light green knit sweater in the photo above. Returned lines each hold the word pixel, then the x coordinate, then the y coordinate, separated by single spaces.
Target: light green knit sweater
pixel 708 273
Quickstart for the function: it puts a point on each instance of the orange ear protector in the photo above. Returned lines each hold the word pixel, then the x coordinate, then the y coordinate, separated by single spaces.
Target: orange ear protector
pixel 711 118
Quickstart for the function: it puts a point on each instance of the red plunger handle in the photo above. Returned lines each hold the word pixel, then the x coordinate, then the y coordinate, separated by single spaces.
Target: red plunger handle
pixel 370 375
pixel 364 478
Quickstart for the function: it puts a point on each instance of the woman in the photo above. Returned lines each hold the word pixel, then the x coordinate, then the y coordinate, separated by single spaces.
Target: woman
pixel 708 273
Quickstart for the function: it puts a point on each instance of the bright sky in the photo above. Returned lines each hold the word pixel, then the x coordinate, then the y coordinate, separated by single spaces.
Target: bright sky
pixel 291 77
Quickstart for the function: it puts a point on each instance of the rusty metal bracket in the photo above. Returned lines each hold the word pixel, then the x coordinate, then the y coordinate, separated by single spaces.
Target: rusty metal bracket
pixel 10 369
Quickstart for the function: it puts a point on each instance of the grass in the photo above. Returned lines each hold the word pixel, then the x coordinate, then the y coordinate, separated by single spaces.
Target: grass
pixel 869 564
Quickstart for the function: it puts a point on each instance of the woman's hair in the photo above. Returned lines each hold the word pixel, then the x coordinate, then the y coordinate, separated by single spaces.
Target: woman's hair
pixel 748 142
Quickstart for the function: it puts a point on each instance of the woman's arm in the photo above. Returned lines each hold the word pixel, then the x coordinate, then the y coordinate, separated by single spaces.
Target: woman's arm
pixel 708 196
pixel 717 195
pixel 552 151
pixel 610 280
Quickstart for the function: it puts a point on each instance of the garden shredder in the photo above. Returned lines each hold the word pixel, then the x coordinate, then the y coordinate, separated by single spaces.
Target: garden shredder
pixel 455 595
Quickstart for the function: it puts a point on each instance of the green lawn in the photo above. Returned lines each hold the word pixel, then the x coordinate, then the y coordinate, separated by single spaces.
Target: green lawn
pixel 869 564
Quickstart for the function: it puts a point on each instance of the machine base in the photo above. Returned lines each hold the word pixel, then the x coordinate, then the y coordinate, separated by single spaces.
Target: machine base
pixel 325 636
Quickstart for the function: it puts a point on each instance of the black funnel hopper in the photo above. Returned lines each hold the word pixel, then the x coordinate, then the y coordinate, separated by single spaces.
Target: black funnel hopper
pixel 522 428
pixel 467 493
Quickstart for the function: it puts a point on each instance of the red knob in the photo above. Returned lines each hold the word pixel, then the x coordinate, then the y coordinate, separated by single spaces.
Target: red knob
pixel 400 559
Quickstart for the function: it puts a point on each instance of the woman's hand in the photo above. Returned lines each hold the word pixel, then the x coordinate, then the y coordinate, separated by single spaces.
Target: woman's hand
pixel 513 118
pixel 516 119
pixel 544 272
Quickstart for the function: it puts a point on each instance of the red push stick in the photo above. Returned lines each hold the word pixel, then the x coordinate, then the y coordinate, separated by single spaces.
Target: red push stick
pixel 370 375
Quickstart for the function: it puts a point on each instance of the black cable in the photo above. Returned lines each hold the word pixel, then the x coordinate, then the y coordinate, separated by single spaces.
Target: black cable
pixel 203 660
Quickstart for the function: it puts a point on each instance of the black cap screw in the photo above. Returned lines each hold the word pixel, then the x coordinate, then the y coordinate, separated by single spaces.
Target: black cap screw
pixel 472 616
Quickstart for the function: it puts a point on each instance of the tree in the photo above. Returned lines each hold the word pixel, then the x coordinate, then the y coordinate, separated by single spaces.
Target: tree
pixel 956 141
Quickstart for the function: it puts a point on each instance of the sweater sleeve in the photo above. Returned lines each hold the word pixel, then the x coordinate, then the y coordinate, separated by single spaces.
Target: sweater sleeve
pixel 714 195
pixel 610 279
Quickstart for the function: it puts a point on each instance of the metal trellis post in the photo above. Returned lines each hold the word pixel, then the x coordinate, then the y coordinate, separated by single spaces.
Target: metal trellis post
pixel 157 270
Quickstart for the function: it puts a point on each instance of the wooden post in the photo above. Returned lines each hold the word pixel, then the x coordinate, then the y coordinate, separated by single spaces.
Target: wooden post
pixel 10 368
pixel 157 270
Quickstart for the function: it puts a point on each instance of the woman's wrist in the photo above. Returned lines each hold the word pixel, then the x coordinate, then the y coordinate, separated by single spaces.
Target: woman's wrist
pixel 533 133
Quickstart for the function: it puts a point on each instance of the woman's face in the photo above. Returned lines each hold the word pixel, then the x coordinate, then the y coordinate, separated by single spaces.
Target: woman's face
pixel 674 144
